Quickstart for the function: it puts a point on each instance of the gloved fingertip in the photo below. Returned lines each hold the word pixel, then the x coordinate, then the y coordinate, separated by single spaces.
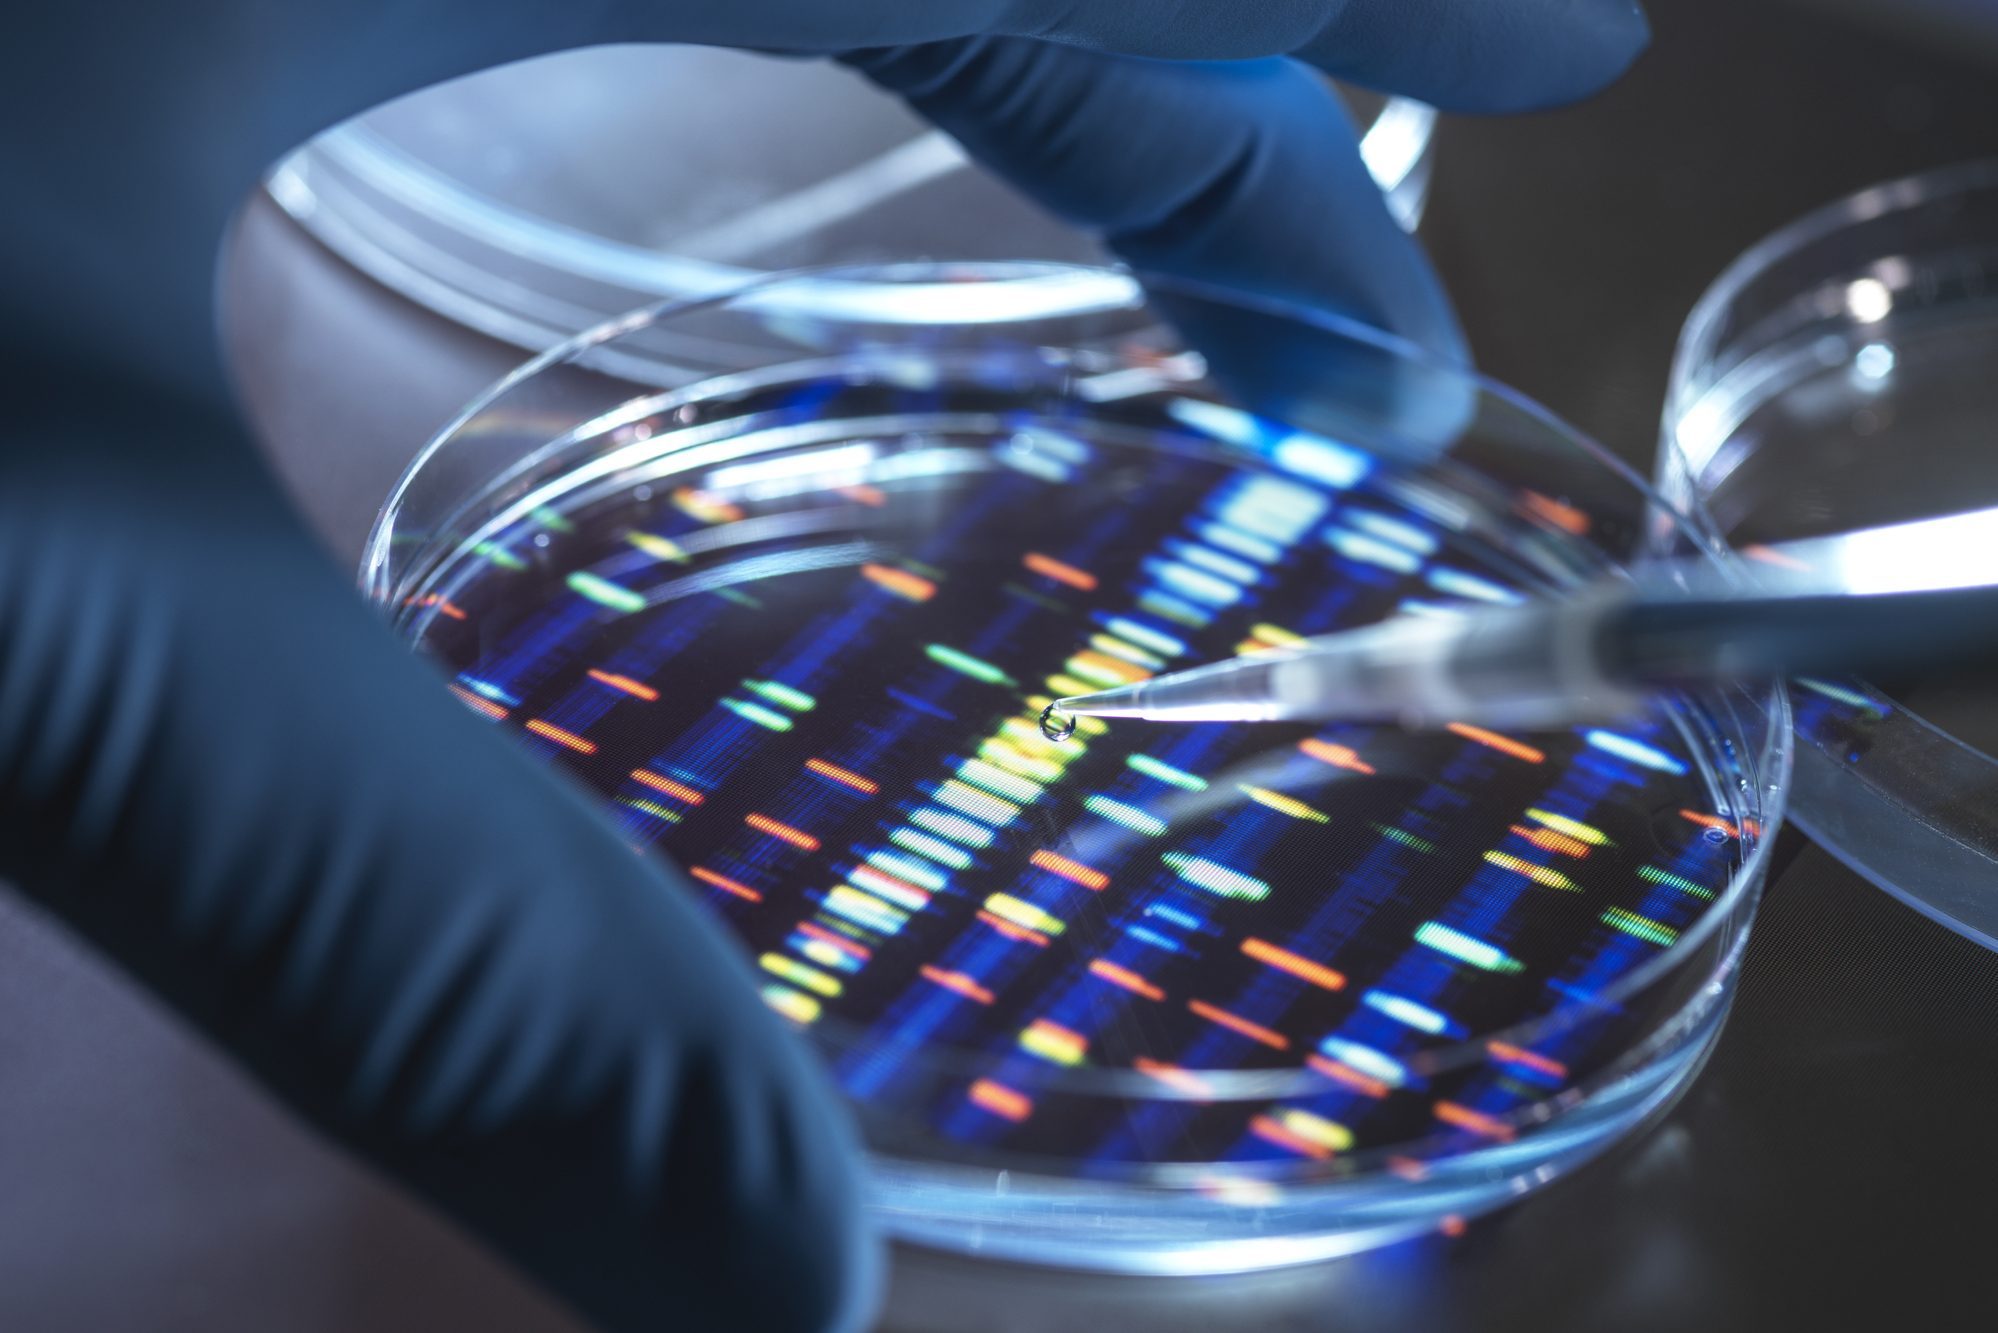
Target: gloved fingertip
pixel 1598 47
pixel 1619 32
pixel 1487 57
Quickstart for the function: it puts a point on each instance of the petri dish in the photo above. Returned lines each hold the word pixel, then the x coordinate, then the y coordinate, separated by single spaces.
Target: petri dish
pixel 538 199
pixel 790 593
pixel 1838 376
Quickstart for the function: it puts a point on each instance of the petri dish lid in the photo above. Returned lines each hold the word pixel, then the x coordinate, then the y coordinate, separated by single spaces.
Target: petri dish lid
pixel 1839 376
pixel 539 199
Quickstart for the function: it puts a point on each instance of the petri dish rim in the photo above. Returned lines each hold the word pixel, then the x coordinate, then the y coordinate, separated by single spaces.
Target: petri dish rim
pixel 1701 332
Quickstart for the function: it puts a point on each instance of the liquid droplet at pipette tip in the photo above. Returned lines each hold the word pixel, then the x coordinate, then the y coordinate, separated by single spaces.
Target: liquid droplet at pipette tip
pixel 1056 724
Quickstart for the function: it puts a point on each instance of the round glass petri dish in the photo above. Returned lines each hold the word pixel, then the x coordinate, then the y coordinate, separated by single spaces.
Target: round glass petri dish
pixel 790 592
pixel 538 199
pixel 1839 376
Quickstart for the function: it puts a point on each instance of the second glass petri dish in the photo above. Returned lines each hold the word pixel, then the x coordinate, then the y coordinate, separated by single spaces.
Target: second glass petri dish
pixel 538 199
pixel 1839 376
pixel 789 593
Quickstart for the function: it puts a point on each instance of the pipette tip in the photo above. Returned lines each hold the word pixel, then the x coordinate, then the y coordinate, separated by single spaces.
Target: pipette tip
pixel 1122 701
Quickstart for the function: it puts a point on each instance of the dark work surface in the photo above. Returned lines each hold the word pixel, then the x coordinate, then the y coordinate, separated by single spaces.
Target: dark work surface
pixel 1833 1167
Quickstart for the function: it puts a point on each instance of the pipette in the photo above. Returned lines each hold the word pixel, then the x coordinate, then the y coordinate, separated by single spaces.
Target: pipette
pixel 1910 595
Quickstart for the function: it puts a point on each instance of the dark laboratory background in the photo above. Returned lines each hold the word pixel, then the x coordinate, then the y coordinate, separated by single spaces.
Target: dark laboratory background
pixel 1836 1165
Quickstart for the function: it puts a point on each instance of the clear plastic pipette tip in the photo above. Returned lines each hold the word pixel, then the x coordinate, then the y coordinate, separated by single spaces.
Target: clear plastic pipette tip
pixel 1121 701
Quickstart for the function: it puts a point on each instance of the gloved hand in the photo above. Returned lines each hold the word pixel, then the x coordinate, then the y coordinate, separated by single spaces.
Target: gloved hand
pixel 219 768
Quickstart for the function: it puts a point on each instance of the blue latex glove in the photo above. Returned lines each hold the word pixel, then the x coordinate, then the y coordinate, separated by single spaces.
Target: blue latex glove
pixel 219 768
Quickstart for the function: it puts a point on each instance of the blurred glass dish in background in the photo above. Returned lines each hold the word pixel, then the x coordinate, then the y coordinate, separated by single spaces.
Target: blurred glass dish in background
pixel 1844 374
pixel 536 200
pixel 789 592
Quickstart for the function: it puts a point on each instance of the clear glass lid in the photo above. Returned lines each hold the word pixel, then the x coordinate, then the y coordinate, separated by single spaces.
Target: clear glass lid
pixel 538 199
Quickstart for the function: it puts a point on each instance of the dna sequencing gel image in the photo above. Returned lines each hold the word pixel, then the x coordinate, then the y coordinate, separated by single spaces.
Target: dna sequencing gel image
pixel 814 681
